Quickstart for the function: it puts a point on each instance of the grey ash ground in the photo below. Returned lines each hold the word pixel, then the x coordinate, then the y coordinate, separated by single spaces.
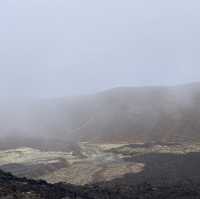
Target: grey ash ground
pixel 103 171
pixel 92 162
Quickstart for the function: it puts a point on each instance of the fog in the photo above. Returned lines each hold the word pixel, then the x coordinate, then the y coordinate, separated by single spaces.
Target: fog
pixel 60 48
pixel 85 69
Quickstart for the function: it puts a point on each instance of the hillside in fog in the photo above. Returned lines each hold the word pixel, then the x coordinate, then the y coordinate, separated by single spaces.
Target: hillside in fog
pixel 119 114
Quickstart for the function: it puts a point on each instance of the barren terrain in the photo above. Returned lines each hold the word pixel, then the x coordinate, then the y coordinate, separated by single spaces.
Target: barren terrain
pixel 90 163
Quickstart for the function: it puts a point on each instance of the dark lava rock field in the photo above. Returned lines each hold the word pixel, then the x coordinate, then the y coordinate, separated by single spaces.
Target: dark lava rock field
pixel 12 187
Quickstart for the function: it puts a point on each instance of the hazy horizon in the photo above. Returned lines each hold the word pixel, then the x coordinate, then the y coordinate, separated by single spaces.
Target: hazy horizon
pixel 63 48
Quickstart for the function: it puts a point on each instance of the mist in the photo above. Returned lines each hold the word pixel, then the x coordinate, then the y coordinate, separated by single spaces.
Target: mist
pixel 51 49
pixel 83 70
pixel 99 99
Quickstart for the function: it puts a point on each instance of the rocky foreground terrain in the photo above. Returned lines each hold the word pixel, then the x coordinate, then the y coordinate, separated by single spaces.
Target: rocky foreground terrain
pixel 95 163
pixel 21 188
pixel 102 171
pixel 88 163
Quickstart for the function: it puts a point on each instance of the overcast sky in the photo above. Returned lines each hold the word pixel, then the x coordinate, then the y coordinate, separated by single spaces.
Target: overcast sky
pixel 52 48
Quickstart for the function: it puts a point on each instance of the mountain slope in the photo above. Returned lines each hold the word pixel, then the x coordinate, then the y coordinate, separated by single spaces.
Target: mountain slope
pixel 120 114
